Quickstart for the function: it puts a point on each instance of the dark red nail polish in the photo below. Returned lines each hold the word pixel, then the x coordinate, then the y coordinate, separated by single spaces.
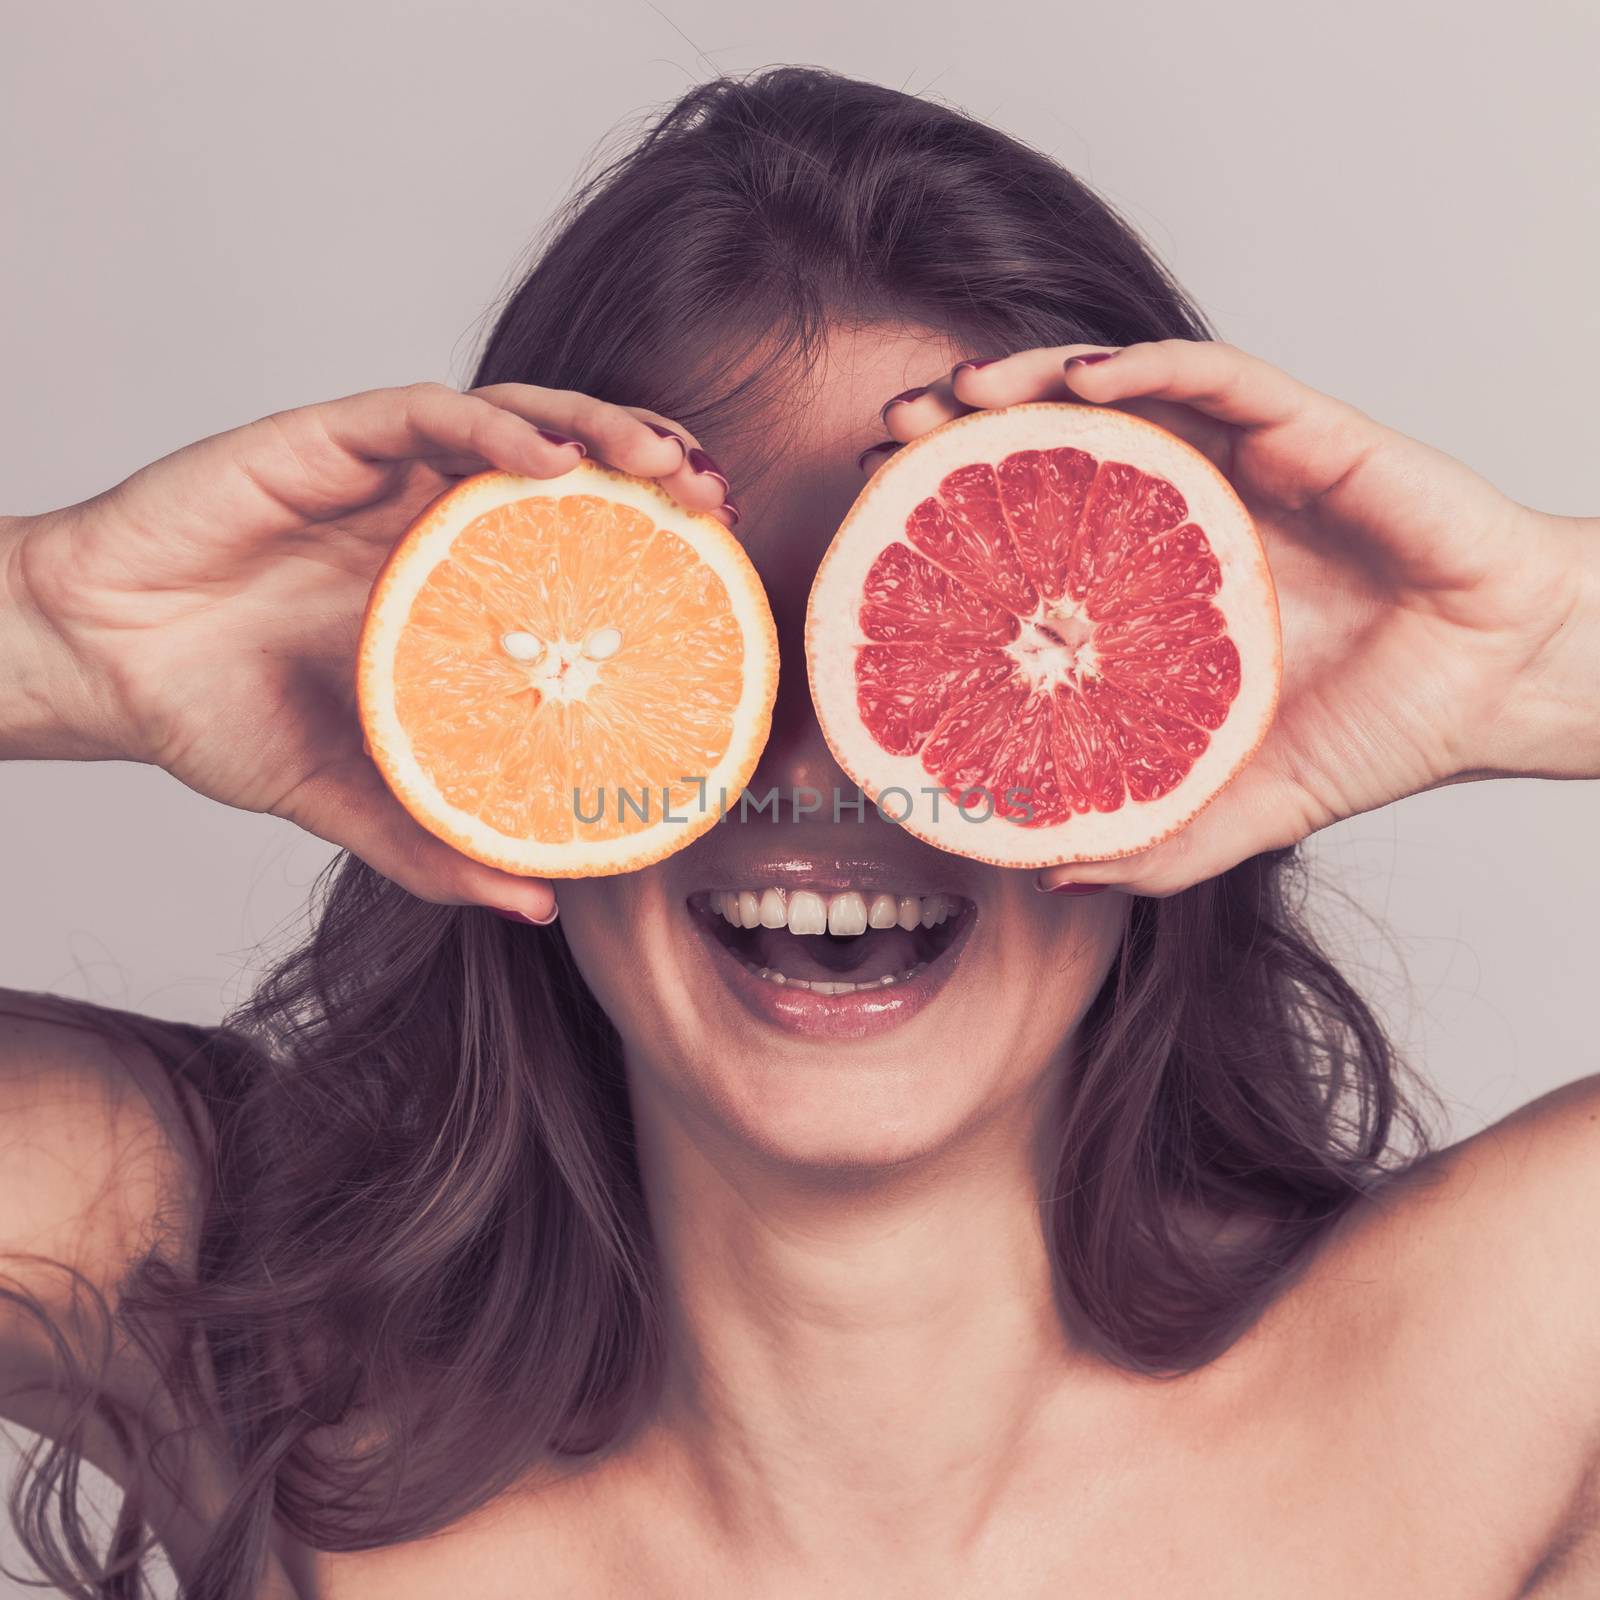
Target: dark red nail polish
pixel 882 447
pixel 559 438
pixel 667 433
pixel 1088 361
pixel 728 505
pixel 901 398
pixel 701 462
pixel 974 363
pixel 1080 888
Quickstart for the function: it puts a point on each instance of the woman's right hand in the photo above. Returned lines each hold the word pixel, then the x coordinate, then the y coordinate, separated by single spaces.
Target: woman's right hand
pixel 204 614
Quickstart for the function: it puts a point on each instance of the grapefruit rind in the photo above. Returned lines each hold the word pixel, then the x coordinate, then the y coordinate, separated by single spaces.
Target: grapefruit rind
pixel 1246 598
pixel 414 557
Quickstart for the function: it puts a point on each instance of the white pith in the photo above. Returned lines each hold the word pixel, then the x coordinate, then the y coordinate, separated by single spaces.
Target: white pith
pixel 877 519
pixel 1042 659
pixel 563 669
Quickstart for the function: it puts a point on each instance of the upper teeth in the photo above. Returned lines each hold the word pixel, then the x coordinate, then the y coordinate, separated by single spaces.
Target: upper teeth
pixel 802 911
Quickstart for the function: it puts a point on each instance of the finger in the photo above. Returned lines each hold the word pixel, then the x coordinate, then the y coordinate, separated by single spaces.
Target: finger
pixel 992 381
pixel 629 438
pixel 1315 439
pixel 616 434
pixel 452 466
pixel 1042 374
pixel 875 455
pixel 1223 382
pixel 431 419
pixel 349 805
pixel 988 382
pixel 701 484
pixel 914 412
pixel 1257 811
pixel 663 425
pixel 697 481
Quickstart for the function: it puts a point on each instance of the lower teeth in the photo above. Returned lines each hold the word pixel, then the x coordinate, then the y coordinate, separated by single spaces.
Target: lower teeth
pixel 823 986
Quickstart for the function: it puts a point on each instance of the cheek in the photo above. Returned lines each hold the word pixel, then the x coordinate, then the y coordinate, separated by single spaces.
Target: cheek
pixel 627 941
pixel 603 922
pixel 1051 958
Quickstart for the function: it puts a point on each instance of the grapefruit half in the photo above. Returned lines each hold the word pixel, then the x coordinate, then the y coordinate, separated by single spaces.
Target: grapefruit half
pixel 1044 634
pixel 562 676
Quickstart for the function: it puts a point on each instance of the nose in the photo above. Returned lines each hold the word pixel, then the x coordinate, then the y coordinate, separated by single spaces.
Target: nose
pixel 792 527
pixel 796 758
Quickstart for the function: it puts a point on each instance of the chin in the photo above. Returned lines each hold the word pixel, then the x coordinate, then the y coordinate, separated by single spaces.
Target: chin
pixel 848 1111
pixel 837 1012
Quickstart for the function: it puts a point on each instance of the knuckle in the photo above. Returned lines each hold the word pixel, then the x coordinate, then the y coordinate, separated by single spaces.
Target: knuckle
pixel 408 867
pixel 510 396
pixel 643 414
pixel 604 421
pixel 586 411
pixel 421 872
pixel 426 388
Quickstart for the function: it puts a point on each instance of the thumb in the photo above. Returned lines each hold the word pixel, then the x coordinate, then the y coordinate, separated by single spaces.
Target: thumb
pixel 1250 815
pixel 348 804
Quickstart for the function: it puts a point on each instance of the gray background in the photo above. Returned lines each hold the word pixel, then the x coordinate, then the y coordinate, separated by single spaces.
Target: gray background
pixel 213 211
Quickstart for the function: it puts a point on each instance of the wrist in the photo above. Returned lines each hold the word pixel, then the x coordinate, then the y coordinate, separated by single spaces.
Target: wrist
pixel 47 701
pixel 1550 726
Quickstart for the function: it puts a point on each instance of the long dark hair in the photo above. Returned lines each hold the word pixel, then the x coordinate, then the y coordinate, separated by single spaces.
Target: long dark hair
pixel 424 1270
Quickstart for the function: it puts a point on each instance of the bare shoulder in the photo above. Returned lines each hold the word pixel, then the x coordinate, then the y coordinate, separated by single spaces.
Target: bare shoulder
pixel 576 1530
pixel 1459 1309
pixel 103 1157
pixel 1518 1205
pixel 100 1154
pixel 1495 1239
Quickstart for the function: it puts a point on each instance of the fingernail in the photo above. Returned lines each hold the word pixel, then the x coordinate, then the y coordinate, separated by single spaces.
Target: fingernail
pixel 559 438
pixel 667 433
pixel 1079 888
pixel 901 398
pixel 974 363
pixel 882 447
pixel 522 916
pixel 728 505
pixel 1087 361
pixel 701 462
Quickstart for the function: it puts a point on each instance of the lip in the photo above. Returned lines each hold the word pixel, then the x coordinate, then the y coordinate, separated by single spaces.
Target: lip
pixel 804 1014
pixel 832 874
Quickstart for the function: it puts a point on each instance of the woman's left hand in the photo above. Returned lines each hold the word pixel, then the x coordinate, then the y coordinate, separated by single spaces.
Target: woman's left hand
pixel 1429 621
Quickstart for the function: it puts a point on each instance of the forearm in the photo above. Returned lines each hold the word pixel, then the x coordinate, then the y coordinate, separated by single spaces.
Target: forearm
pixel 1550 727
pixel 47 705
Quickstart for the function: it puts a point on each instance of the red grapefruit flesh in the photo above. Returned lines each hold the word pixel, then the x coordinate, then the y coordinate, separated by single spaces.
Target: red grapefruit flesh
pixel 1044 634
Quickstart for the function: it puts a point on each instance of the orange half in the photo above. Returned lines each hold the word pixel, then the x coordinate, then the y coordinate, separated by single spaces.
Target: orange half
pixel 566 677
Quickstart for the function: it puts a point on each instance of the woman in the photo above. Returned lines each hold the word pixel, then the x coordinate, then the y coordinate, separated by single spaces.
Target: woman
pixel 1119 1268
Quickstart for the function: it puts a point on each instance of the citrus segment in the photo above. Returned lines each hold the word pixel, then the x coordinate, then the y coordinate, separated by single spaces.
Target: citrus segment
pixel 563 676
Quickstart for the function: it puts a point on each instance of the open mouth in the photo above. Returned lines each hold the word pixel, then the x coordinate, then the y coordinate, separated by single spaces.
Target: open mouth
pixel 833 945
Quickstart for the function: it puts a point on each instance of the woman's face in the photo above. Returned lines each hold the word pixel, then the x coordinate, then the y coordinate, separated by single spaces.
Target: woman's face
pixel 978 1006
